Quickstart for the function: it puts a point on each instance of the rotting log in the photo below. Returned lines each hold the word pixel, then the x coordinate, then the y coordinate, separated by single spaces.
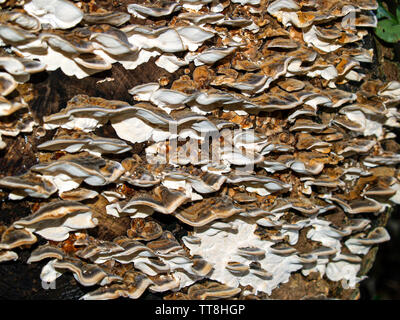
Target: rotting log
pixel 48 93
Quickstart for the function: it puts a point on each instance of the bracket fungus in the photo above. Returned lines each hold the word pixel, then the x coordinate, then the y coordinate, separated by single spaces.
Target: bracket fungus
pixel 258 149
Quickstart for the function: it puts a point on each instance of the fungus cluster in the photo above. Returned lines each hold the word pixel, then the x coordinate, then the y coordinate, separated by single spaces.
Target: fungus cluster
pixel 272 152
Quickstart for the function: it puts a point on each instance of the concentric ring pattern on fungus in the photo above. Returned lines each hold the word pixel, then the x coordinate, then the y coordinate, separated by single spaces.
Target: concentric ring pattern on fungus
pixel 262 152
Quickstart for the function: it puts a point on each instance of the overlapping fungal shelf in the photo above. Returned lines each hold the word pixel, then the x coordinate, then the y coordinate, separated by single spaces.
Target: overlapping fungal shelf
pixel 273 153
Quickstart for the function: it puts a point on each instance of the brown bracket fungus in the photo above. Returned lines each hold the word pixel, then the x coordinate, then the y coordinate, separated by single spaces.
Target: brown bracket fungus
pixel 246 145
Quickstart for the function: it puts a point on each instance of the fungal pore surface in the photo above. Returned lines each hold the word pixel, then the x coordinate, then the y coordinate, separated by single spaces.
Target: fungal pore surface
pixel 195 149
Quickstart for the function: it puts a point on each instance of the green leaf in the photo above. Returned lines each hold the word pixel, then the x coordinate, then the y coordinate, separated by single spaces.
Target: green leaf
pixel 398 14
pixel 383 13
pixel 388 30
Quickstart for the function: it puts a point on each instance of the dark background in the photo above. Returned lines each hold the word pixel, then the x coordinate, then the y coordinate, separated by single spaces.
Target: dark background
pixel 383 280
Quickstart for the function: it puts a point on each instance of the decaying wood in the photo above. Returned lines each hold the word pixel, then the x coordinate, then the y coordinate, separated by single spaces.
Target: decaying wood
pixel 48 93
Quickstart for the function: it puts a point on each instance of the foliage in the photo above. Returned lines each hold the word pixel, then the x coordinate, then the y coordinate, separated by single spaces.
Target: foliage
pixel 388 28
